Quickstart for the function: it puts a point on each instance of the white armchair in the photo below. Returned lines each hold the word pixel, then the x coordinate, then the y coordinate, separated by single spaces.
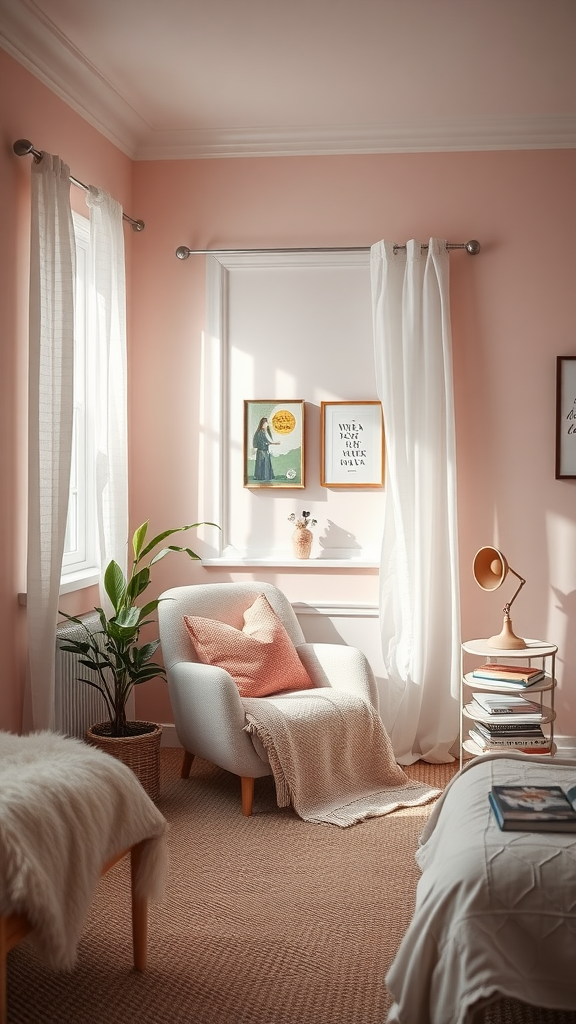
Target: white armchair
pixel 208 712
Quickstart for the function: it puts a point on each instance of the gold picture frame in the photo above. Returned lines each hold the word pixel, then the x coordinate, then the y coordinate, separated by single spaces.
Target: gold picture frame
pixel 274 443
pixel 352 444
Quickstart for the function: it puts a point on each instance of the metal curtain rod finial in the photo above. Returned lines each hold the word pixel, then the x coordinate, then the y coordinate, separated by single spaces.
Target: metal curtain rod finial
pixel 183 251
pixel 22 147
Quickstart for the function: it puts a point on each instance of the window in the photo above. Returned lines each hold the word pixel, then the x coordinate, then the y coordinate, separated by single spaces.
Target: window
pixel 80 560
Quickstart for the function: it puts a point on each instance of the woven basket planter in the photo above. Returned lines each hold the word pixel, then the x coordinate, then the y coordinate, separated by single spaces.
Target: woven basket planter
pixel 140 752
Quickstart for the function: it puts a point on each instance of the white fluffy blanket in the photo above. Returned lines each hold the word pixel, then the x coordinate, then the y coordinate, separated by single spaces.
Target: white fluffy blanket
pixel 331 756
pixel 67 809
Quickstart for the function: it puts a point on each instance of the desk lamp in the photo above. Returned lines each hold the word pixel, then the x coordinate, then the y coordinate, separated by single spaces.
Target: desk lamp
pixel 490 570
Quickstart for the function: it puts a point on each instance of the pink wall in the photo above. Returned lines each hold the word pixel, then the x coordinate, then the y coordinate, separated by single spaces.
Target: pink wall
pixel 513 312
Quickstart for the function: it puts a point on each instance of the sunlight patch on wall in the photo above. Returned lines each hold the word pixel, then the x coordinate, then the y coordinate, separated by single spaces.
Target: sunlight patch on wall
pixel 561 535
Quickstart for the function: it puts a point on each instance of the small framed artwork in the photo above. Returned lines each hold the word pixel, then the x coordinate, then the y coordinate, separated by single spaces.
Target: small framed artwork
pixel 565 417
pixel 274 443
pixel 352 444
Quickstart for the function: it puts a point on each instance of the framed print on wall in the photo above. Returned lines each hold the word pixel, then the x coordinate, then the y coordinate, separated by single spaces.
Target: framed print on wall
pixel 352 444
pixel 274 443
pixel 565 417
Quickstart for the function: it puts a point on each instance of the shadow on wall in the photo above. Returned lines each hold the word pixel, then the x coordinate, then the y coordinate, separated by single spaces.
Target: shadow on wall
pixel 337 542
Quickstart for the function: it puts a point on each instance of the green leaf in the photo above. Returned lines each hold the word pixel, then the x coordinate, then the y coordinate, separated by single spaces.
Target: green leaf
pixel 128 618
pixel 144 653
pixel 172 547
pixel 168 533
pixel 115 585
pixel 137 584
pixel 149 671
pixel 147 609
pixel 139 538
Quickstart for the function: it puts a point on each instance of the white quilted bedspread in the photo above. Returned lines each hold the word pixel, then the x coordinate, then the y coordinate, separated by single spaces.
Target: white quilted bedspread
pixel 495 911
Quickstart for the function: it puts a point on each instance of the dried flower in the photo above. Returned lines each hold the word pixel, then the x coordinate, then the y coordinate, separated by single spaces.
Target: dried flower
pixel 303 521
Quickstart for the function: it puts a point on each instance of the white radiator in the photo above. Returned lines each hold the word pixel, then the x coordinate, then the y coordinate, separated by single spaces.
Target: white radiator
pixel 77 705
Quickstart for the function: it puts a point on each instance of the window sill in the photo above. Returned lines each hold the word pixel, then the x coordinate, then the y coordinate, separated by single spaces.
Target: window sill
pixel 279 562
pixel 73 581
pixel 89 577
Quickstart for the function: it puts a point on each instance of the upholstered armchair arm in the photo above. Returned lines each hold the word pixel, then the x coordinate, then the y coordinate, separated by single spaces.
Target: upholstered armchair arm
pixel 209 718
pixel 341 667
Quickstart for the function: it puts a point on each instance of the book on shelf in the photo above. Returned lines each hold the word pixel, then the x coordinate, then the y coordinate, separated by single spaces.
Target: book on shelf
pixel 507 704
pixel 508 727
pixel 526 744
pixel 534 808
pixel 511 730
pixel 509 675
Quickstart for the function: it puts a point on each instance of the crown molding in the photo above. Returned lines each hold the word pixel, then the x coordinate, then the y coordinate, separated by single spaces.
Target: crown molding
pixel 36 43
pixel 421 136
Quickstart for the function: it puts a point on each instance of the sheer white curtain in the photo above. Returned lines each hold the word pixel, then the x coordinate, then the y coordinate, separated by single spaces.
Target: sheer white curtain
pixel 51 367
pixel 419 588
pixel 109 322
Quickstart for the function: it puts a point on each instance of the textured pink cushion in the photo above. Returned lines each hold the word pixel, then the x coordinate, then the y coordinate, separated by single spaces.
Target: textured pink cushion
pixel 261 657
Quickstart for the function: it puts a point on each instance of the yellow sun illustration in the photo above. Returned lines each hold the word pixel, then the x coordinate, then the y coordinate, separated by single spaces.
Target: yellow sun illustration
pixel 283 421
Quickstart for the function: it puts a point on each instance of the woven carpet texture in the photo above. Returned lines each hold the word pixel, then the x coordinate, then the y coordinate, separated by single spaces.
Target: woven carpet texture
pixel 267 919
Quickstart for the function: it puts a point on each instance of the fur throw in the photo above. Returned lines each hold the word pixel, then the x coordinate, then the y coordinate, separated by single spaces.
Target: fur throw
pixel 331 756
pixel 66 810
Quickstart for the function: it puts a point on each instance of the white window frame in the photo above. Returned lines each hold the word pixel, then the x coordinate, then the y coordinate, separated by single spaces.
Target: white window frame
pixel 80 566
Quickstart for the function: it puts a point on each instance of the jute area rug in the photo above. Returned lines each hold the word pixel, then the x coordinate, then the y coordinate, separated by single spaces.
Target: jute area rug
pixel 267 920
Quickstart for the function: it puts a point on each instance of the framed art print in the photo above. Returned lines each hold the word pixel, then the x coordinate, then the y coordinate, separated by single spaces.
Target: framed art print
pixel 352 444
pixel 274 443
pixel 565 417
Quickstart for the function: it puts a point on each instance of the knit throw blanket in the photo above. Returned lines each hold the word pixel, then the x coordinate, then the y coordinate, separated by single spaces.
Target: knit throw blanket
pixel 330 756
pixel 66 810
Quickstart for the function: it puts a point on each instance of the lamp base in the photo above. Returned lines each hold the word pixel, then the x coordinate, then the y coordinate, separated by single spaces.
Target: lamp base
pixel 507 639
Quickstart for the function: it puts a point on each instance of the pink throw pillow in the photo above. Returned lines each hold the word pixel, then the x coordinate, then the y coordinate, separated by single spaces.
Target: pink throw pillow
pixel 261 657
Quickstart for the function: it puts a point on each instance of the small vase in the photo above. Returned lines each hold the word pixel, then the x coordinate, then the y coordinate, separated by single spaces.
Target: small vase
pixel 302 542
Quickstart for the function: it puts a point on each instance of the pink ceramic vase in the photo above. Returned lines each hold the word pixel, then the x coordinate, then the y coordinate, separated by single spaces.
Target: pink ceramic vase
pixel 302 542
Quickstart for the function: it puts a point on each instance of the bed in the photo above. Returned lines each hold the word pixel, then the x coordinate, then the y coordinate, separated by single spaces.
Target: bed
pixel 495 913
pixel 68 813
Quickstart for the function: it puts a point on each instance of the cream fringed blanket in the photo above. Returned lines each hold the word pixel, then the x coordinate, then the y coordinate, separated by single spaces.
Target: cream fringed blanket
pixel 331 757
pixel 66 810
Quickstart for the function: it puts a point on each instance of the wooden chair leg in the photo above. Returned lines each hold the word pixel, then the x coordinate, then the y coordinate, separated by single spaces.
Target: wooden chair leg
pixel 247 795
pixel 139 914
pixel 186 764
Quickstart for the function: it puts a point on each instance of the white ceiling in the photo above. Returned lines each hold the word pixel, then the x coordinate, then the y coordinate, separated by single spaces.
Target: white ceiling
pixel 173 79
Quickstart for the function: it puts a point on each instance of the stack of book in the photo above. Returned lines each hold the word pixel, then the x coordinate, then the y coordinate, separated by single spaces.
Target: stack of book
pixel 508 722
pixel 509 676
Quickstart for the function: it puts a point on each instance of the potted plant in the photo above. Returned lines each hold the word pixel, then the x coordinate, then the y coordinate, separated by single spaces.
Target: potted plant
pixel 118 662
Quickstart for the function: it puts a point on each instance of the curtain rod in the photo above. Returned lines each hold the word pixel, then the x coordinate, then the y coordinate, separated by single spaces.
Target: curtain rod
pixel 22 147
pixel 183 252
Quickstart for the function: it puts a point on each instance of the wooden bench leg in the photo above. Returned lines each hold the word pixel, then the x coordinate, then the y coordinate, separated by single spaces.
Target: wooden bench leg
pixel 186 764
pixel 139 914
pixel 247 795
pixel 13 928
pixel 3 971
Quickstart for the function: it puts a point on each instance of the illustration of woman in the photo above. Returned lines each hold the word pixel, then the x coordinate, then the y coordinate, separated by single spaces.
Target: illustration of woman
pixel 261 442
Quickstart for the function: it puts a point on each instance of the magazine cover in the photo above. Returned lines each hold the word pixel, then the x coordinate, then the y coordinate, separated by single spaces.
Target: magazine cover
pixel 534 808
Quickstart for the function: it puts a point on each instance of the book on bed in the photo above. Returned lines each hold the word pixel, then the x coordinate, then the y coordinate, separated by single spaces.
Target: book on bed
pixel 534 808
